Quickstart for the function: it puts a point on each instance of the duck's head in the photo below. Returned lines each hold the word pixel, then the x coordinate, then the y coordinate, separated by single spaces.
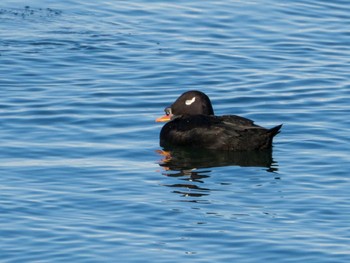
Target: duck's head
pixel 189 103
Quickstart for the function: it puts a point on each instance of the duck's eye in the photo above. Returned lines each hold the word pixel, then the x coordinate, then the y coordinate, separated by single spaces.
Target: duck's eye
pixel 168 111
pixel 189 102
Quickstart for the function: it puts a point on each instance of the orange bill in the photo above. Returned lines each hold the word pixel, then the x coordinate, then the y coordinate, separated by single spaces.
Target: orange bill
pixel 163 118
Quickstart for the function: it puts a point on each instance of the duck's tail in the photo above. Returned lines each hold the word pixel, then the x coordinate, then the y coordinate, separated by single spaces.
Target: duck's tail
pixel 275 130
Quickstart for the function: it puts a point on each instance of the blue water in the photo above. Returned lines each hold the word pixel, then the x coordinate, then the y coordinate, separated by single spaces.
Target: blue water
pixel 81 174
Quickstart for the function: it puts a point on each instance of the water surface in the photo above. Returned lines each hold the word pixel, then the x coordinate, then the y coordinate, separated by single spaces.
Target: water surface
pixel 82 176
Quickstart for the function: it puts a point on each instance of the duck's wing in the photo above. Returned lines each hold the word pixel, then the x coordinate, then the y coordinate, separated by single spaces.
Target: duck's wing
pixel 238 123
pixel 229 132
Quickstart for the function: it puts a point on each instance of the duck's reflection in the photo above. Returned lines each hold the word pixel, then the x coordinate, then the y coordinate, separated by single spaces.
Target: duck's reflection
pixel 192 166
pixel 186 160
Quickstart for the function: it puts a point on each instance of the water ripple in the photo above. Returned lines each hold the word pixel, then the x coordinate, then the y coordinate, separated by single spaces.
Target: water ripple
pixel 82 175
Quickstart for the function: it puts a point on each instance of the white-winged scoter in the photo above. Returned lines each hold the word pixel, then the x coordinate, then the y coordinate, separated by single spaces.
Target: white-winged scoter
pixel 192 124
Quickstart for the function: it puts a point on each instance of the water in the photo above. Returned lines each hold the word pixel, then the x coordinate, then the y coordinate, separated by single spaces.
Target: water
pixel 82 176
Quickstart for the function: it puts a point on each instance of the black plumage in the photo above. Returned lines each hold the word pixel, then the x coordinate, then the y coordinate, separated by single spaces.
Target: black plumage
pixel 194 125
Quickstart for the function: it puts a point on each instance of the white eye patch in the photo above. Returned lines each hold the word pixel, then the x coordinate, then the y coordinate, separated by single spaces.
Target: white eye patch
pixel 189 102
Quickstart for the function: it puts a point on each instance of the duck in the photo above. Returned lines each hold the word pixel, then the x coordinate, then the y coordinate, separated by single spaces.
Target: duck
pixel 192 124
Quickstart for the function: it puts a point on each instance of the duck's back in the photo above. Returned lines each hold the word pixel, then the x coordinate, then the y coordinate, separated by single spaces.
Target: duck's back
pixel 228 132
